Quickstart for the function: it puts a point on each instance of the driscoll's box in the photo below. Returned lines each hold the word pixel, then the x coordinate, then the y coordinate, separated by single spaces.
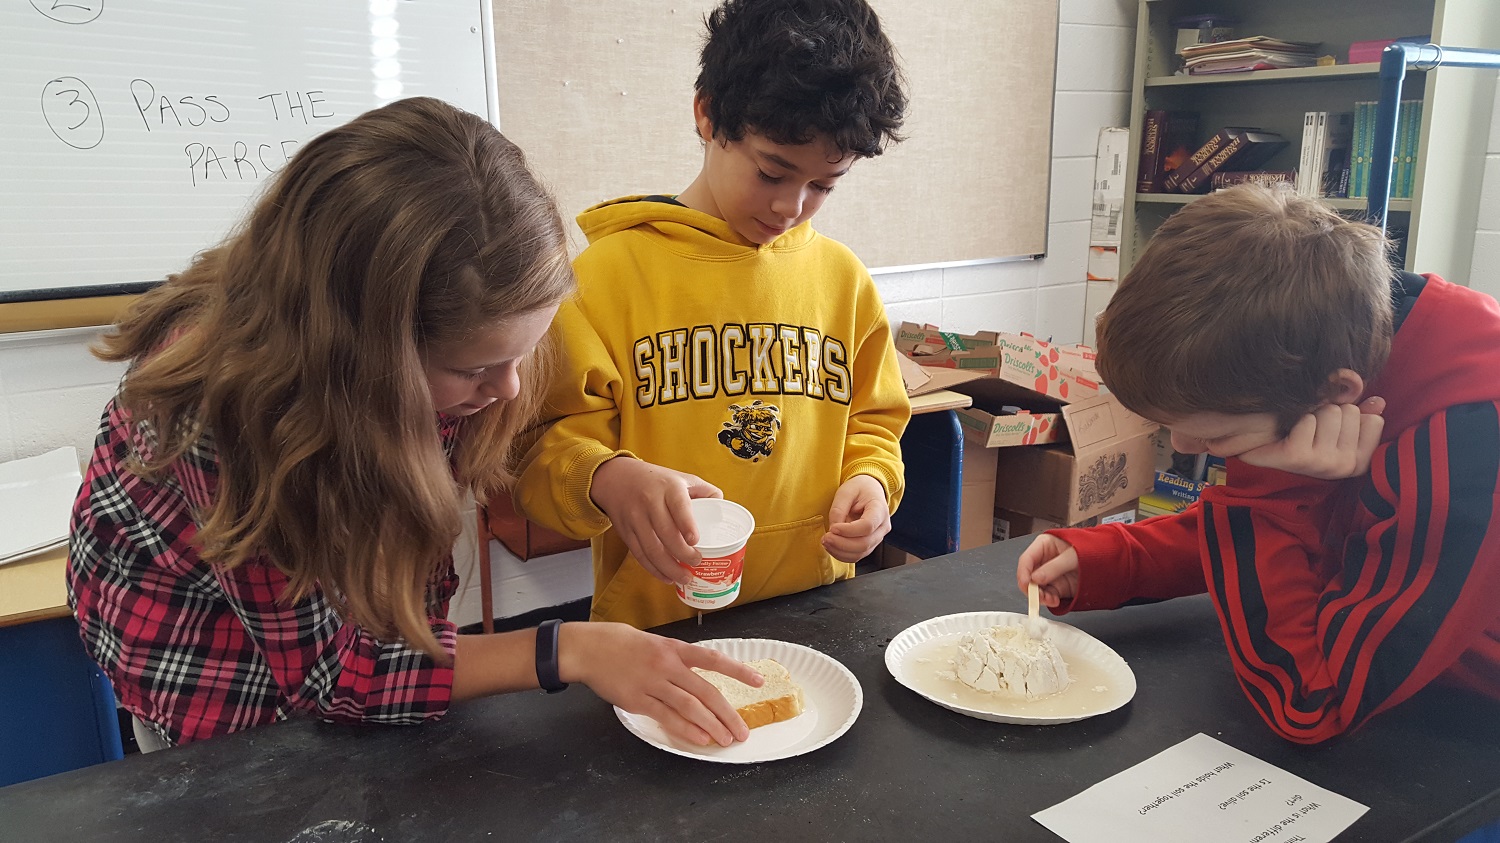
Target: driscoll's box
pixel 1057 372
pixel 932 345
pixel 1108 462
pixel 1002 430
pixel 1020 399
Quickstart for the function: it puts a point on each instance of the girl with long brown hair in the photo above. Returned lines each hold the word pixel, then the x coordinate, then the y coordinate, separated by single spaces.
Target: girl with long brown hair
pixel 267 521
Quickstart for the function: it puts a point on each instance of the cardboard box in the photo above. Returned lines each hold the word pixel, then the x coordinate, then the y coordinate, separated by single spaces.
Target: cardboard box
pixel 1038 379
pixel 888 555
pixel 1009 524
pixel 1126 514
pixel 1108 463
pixel 1111 158
pixel 977 502
pixel 1058 398
pixel 919 340
pixel 1062 373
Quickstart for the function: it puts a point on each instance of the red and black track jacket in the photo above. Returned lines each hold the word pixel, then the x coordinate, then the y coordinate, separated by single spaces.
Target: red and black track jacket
pixel 1341 599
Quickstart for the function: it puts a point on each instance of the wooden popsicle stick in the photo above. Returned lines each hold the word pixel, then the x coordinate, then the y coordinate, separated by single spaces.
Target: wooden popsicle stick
pixel 1034 626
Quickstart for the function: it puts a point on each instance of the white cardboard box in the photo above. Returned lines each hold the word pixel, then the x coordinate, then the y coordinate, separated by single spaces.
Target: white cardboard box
pixel 1109 204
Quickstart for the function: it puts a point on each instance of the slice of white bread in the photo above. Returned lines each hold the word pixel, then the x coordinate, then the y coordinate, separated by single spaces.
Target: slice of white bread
pixel 778 699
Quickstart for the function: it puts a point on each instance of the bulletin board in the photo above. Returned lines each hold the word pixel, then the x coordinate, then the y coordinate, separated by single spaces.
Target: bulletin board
pixel 599 94
pixel 135 134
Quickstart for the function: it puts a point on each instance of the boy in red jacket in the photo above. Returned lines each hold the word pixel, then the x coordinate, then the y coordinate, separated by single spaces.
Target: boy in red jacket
pixel 1354 554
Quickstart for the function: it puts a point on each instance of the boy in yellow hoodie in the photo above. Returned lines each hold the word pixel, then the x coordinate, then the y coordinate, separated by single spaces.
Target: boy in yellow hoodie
pixel 720 346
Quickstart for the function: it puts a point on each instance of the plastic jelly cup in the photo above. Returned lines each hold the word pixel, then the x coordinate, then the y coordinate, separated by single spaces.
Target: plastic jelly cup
pixel 723 529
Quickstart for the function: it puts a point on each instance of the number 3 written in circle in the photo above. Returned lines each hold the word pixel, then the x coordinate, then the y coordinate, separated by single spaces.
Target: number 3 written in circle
pixel 74 12
pixel 72 112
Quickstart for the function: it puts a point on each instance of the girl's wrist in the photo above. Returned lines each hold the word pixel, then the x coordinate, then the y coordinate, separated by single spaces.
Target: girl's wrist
pixel 570 651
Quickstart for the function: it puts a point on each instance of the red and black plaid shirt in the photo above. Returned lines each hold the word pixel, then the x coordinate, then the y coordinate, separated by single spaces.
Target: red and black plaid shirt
pixel 196 651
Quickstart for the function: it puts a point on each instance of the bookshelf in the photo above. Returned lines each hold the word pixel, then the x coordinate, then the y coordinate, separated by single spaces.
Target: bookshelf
pixel 1440 219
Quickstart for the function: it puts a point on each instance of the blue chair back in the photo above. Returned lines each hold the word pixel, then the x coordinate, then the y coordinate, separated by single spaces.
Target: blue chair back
pixel 57 709
pixel 927 522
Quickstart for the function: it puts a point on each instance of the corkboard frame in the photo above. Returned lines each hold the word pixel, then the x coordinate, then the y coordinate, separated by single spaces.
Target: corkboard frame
pixel 600 97
pixel 83 311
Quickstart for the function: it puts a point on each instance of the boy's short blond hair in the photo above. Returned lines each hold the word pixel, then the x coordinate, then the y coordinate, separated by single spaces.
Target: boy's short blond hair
pixel 1247 301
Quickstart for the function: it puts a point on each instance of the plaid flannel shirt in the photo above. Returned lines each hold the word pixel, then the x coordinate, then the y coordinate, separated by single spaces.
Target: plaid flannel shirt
pixel 196 651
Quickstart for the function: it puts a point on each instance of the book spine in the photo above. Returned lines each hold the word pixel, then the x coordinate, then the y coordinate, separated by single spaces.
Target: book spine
pixel 1400 186
pixel 1359 177
pixel 1335 155
pixel 1148 169
pixel 1304 161
pixel 1367 147
pixel 1320 154
pixel 1412 130
pixel 1198 180
pixel 1222 179
pixel 1173 181
pixel 1418 108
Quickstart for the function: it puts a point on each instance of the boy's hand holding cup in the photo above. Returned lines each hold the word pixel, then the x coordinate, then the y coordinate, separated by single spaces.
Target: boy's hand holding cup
pixel 649 507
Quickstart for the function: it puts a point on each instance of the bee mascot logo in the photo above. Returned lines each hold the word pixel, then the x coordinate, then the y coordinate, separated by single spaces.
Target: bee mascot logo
pixel 751 430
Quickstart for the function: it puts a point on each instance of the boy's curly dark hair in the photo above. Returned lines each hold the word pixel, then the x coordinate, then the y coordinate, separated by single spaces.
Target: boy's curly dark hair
pixel 793 69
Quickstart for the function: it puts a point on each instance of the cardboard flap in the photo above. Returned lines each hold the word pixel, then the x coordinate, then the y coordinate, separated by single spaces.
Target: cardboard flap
pixel 991 393
pixel 1092 421
pixel 920 380
pixel 913 376
pixel 1100 420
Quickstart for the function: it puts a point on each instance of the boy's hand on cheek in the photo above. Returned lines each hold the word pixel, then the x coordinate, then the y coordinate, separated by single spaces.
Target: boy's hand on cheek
pixel 648 506
pixel 1334 442
pixel 858 520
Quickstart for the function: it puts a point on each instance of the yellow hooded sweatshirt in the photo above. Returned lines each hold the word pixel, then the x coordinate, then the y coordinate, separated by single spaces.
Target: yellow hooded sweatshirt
pixel 766 370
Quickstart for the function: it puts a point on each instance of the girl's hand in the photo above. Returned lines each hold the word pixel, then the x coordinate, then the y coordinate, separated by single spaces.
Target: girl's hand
pixel 1052 564
pixel 651 675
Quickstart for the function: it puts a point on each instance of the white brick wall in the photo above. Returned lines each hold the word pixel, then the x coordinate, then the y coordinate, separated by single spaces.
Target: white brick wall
pixel 52 390
pixel 1045 297
pixel 1486 271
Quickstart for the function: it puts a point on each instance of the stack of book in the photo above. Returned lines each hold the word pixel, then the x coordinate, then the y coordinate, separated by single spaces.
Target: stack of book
pixel 1172 493
pixel 1403 154
pixel 1166 142
pixel 1324 167
pixel 1258 52
pixel 1231 149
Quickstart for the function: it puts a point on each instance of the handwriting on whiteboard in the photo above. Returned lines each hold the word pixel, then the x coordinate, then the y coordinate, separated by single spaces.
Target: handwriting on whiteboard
pixel 71 110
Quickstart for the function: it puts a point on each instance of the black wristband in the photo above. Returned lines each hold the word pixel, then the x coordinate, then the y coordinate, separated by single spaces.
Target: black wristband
pixel 546 657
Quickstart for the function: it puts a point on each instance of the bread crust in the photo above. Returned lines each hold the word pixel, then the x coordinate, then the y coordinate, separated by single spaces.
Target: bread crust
pixel 766 712
pixel 761 712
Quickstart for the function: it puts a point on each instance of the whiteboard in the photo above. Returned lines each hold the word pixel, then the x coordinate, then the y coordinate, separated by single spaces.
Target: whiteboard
pixel 135 133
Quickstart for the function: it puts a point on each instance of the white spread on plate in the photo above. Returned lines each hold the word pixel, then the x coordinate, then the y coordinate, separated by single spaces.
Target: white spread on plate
pixel 1004 659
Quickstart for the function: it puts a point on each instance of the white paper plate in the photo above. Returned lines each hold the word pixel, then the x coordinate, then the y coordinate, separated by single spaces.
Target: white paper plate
pixel 831 700
pixel 1103 681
